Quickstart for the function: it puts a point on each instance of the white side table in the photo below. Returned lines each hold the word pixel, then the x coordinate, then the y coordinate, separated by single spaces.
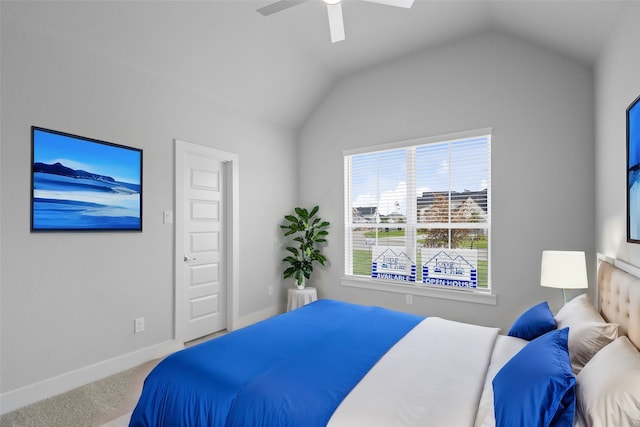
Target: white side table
pixel 299 297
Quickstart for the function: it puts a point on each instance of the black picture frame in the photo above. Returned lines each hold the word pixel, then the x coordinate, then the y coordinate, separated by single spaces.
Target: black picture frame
pixel 84 184
pixel 633 171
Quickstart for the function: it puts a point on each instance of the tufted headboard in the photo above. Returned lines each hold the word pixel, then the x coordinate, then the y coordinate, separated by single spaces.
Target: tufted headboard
pixel 619 299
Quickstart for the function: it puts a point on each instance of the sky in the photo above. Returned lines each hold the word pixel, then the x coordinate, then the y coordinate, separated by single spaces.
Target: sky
pixel 381 178
pixel 120 163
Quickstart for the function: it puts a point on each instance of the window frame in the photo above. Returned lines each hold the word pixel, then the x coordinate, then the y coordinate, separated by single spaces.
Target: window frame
pixel 477 295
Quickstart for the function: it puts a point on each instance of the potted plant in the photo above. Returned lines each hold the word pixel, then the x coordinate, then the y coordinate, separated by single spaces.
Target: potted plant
pixel 308 230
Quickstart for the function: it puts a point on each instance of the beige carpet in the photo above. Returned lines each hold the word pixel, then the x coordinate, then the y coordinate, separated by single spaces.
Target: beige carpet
pixel 107 402
pixel 122 421
pixel 91 405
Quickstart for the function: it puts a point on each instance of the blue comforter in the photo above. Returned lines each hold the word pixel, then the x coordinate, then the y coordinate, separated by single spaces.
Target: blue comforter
pixel 290 370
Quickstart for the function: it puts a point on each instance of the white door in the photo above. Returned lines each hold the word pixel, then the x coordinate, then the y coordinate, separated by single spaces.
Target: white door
pixel 207 250
pixel 203 268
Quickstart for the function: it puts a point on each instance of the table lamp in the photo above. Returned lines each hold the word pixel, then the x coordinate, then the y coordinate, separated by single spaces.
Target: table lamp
pixel 564 270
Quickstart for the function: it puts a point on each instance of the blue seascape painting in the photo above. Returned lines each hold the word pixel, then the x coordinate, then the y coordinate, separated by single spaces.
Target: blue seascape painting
pixel 84 184
pixel 633 172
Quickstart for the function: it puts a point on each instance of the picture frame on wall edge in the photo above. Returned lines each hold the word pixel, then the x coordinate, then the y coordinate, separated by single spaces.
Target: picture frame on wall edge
pixel 633 171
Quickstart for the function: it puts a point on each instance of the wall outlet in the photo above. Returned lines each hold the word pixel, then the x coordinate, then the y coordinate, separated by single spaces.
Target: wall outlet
pixel 138 325
pixel 167 217
pixel 408 299
pixel 270 290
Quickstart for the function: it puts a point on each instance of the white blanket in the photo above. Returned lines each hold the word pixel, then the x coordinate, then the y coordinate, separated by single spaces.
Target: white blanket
pixel 434 376
pixel 503 350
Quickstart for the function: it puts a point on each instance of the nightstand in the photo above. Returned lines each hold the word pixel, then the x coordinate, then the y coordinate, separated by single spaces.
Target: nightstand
pixel 299 297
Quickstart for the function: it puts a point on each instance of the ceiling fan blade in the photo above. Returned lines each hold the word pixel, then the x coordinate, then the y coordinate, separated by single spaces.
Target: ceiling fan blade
pixel 336 25
pixel 278 6
pixel 399 3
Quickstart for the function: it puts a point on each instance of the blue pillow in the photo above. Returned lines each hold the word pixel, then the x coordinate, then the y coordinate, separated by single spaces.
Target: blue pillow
pixel 536 321
pixel 537 386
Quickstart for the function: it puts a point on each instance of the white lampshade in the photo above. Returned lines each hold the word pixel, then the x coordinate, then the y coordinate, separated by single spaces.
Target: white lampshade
pixel 564 270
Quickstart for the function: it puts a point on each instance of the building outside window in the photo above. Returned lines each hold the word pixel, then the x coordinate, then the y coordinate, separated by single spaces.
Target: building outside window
pixel 418 212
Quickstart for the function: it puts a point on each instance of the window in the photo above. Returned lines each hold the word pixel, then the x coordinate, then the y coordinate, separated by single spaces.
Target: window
pixel 418 213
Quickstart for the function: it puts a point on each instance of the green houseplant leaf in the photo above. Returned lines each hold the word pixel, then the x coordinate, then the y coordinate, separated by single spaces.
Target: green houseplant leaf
pixel 308 230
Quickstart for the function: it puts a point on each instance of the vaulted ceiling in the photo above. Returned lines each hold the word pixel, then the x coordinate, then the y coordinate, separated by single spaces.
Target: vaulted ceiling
pixel 278 68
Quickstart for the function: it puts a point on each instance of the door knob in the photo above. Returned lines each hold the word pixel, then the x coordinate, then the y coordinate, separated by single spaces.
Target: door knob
pixel 187 258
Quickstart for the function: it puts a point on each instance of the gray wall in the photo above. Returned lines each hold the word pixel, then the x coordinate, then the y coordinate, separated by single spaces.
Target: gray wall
pixel 617 85
pixel 540 106
pixel 69 299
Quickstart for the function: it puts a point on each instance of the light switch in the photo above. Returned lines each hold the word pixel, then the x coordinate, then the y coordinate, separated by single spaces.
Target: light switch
pixel 168 217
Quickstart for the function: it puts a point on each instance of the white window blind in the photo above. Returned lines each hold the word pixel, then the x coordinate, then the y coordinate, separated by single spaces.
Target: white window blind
pixel 419 212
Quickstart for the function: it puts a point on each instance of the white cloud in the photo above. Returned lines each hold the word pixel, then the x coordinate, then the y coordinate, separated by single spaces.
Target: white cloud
pixel 390 201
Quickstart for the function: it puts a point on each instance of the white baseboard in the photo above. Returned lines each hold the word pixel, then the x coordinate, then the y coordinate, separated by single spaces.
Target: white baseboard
pixel 15 399
pixel 259 316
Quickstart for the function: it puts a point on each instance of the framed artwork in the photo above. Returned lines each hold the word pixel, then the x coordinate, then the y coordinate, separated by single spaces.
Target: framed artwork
pixel 82 184
pixel 633 172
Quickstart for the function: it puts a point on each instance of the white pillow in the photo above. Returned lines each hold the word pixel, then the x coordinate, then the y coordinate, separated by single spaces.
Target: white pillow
pixel 579 309
pixel 588 331
pixel 608 388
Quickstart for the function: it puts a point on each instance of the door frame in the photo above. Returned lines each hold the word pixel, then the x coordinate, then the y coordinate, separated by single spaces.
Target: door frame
pixel 232 215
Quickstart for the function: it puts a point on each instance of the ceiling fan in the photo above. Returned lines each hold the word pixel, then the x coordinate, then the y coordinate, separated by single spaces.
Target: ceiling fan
pixel 334 8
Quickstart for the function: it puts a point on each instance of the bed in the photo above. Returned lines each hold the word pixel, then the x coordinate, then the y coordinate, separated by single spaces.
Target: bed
pixel 343 365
